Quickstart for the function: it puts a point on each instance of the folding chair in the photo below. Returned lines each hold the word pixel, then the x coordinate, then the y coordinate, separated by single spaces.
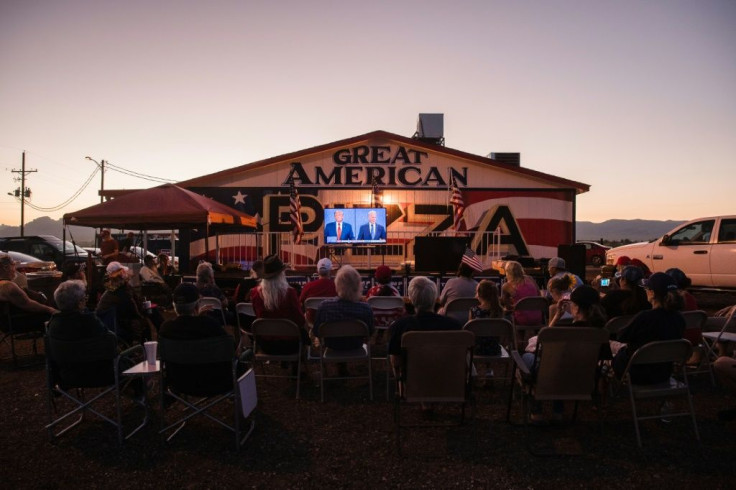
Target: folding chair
pixel 667 351
pixel 341 329
pixel 531 303
pixel 206 369
pixel 16 325
pixel 216 305
pixel 75 367
pixel 271 332
pixel 694 323
pixel 435 368
pixel 386 310
pixel 615 324
pixel 727 333
pixel 495 340
pixel 244 313
pixel 459 308
pixel 565 368
pixel 310 307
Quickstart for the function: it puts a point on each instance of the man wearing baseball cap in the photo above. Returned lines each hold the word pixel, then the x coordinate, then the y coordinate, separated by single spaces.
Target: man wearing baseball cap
pixel 189 325
pixel 322 287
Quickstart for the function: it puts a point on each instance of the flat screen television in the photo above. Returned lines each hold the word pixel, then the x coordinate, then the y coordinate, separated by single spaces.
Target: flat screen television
pixel 355 226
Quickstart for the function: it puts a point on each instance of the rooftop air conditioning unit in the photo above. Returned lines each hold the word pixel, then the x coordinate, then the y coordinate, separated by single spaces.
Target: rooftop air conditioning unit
pixel 430 128
pixel 512 159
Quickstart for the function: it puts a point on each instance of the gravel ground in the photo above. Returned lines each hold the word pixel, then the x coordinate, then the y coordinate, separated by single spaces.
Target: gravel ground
pixel 350 442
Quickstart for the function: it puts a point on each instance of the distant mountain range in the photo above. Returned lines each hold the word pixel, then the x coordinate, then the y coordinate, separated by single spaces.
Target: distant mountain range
pixel 612 229
pixel 637 230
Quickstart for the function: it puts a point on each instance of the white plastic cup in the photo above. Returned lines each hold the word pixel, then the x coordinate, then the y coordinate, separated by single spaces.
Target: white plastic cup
pixel 151 348
pixel 147 306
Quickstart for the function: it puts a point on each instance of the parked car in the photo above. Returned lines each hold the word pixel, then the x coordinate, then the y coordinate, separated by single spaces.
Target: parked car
pixel 704 248
pixel 33 267
pixel 45 247
pixel 595 253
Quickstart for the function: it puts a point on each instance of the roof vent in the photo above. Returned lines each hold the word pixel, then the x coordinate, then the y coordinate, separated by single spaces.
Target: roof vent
pixel 511 159
pixel 430 129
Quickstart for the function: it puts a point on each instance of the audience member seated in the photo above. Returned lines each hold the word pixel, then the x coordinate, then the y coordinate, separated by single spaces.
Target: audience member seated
pixel 74 271
pixel 34 314
pixel 557 267
pixel 683 283
pixel 630 297
pixel 662 322
pixel 324 287
pixel 383 286
pixel 206 283
pixel 164 265
pixel 74 321
pixel 132 323
pixel 517 286
pixel 347 306
pixel 725 370
pixel 584 305
pixel 461 286
pixel 242 290
pixel 641 265
pixel 274 298
pixel 423 296
pixel 189 325
pixel 489 304
pixel 558 288
pixel 149 272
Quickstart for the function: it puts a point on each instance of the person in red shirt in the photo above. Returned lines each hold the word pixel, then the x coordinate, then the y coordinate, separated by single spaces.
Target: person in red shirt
pixel 323 287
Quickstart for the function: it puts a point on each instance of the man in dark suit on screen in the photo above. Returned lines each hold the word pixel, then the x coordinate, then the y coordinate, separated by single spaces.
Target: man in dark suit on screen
pixel 338 230
pixel 372 230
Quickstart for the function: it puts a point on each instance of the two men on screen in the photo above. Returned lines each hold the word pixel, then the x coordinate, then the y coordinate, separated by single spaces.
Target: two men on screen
pixel 338 230
pixel 372 230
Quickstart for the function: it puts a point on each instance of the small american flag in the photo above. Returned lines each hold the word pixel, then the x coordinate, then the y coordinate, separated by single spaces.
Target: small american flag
pixel 470 259
pixel 458 205
pixel 376 194
pixel 295 213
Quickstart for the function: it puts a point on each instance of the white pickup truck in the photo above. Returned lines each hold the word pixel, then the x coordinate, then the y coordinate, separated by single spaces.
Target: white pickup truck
pixel 704 249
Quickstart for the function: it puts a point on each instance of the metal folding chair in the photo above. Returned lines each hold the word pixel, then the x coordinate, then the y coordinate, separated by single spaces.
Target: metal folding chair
pixel 206 369
pixel 76 368
pixel 341 329
pixel 667 351
pixel 288 335
pixel 459 308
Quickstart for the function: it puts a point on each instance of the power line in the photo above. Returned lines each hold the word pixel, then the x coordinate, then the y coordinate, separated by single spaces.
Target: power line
pixel 139 175
pixel 68 201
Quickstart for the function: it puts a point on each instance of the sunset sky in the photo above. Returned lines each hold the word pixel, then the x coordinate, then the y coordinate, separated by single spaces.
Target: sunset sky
pixel 635 98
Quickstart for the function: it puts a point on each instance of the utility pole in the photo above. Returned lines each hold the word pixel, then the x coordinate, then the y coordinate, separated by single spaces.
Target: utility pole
pixel 102 175
pixel 24 192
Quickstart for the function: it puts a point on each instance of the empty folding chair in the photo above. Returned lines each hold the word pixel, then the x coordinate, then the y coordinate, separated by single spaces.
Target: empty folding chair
pixel 79 375
pixel 277 340
pixel 205 369
pixel 667 351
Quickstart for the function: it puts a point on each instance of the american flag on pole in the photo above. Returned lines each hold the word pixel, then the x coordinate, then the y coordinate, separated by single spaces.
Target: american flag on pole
pixel 471 259
pixel 376 195
pixel 295 213
pixel 458 205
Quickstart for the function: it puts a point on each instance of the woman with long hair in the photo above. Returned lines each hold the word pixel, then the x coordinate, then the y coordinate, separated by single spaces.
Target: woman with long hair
pixel 274 298
pixel 517 286
pixel 662 322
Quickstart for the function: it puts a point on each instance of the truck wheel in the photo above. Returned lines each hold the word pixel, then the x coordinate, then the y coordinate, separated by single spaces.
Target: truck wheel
pixel 596 260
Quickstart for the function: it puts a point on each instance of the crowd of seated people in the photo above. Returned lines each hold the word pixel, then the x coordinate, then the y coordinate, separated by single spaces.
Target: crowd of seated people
pixel 654 302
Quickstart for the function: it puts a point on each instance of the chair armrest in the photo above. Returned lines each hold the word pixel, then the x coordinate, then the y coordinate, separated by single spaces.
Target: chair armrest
pixel 520 364
pixel 130 351
pixel 246 356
